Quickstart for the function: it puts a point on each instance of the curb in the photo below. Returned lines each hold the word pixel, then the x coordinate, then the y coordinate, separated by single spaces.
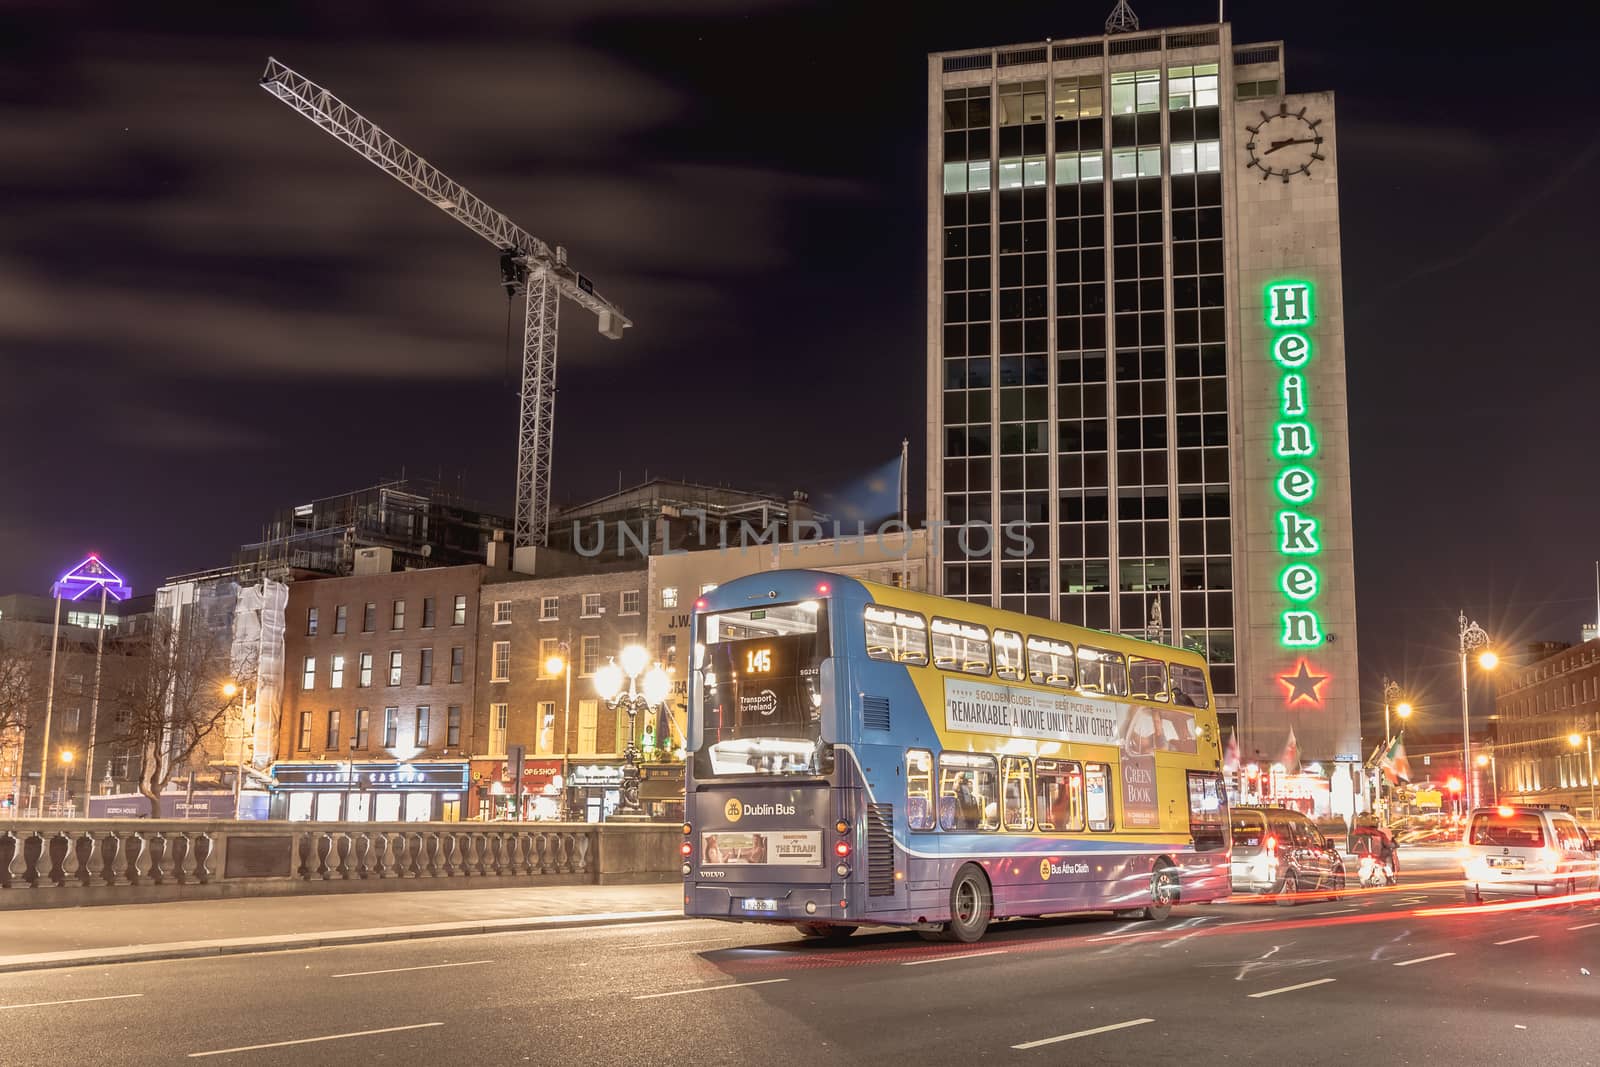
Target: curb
pixel 183 950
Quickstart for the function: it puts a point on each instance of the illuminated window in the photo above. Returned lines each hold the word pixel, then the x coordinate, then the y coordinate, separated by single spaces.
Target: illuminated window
pixel 1147 679
pixel 308 678
pixel 549 648
pixel 397 619
pixel 304 743
pixel 1016 807
pixel 1189 87
pixel 391 727
pixel 1021 103
pixel 1135 91
pixel 1050 662
pixel 1188 686
pixel 365 673
pixel 332 737
pixel 396 665
pixel 336 672
pixel 1135 163
pixel 669 597
pixel 311 622
pixel 1102 671
pixel 1097 796
pixel 458 614
pixel 919 790
pixel 1078 98
pixel 898 636
pixel 968 792
pixel 424 724
pixel 1058 787
pixel 1008 665
pixel 1196 157
pixel 498 714
pixel 960 646
pixel 360 741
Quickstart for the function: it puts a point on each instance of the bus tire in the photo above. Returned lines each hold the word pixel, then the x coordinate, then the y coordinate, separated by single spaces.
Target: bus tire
pixel 1164 892
pixel 826 933
pixel 971 906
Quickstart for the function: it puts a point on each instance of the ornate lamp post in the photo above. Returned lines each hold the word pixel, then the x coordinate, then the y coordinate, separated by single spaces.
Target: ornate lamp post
pixel 1473 638
pixel 655 683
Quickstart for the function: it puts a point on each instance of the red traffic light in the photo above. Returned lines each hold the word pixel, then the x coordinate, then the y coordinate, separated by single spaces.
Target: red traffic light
pixel 1454 785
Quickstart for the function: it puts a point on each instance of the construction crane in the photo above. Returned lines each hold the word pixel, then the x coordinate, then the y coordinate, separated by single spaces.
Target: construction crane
pixel 528 267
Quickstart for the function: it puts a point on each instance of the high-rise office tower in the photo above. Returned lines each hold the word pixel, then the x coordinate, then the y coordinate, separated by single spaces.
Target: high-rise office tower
pixel 1136 385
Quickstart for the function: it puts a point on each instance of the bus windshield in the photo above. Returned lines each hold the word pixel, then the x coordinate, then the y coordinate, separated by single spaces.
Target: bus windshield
pixel 760 698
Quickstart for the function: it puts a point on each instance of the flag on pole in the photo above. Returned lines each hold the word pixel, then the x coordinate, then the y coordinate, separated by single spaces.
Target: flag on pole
pixel 1394 763
pixel 1230 754
pixel 1291 755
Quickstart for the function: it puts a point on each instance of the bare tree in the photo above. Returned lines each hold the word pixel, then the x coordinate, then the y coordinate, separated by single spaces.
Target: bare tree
pixel 21 680
pixel 172 701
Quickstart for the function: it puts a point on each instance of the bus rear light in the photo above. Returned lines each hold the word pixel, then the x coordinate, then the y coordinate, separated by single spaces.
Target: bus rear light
pixel 842 826
pixel 842 871
pixel 700 605
pixel 1272 844
pixel 842 848
pixel 687 829
pixel 686 868
pixel 687 849
pixel 823 589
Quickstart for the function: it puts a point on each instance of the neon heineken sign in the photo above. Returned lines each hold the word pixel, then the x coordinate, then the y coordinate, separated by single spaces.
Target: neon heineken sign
pixel 1290 316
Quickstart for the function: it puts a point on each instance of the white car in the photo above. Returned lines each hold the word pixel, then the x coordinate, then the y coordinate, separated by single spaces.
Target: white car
pixel 1527 849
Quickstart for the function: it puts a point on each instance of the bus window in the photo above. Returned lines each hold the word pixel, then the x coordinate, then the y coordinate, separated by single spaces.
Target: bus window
pixel 1097 795
pixel 1008 656
pixel 919 789
pixel 960 646
pixel 1206 811
pixel 758 709
pixel 1147 679
pixel 969 795
pixel 1015 812
pixel 1188 686
pixel 898 636
pixel 1102 671
pixel 1050 663
pixel 1060 795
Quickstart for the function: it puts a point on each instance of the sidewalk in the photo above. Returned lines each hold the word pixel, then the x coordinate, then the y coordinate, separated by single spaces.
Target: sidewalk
pixel 73 937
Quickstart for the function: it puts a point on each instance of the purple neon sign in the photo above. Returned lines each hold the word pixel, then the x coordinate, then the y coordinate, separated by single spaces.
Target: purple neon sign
pixel 91 576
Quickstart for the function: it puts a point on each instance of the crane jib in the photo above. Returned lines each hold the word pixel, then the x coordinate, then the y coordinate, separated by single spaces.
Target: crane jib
pixel 530 260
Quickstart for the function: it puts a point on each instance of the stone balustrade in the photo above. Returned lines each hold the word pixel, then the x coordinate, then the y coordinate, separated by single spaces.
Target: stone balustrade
pixel 54 863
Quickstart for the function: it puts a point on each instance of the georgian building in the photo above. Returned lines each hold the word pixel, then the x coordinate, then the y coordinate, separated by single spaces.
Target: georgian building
pixel 1541 709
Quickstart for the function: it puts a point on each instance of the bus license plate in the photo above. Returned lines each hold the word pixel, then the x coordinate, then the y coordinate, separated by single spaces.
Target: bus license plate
pixel 759 904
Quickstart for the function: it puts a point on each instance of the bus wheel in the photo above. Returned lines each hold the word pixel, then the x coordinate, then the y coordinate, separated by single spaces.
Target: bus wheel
pixel 826 933
pixel 971 906
pixel 1163 893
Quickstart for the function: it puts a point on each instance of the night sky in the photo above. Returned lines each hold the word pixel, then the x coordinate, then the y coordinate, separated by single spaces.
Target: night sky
pixel 209 309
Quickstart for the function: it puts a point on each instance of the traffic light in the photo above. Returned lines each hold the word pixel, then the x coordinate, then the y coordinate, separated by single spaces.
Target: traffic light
pixel 1454 784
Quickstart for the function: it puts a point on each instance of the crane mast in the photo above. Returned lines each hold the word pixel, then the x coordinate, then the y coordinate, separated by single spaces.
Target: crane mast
pixel 529 267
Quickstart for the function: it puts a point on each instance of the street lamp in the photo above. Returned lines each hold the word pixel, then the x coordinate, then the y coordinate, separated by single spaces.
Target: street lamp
pixel 66 765
pixel 1586 739
pixel 231 689
pixel 560 664
pixel 1473 637
pixel 608 684
pixel 1486 759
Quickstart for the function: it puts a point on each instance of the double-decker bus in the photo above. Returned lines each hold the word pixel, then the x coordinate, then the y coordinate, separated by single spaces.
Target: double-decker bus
pixel 861 754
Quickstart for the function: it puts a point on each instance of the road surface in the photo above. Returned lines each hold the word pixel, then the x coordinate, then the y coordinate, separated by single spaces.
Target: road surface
pixel 1398 976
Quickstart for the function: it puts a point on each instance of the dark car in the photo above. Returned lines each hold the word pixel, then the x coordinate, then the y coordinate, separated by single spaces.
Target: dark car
pixel 1280 852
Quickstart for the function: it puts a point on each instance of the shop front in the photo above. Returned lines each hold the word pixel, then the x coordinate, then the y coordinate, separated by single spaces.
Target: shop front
pixel 421 791
pixel 495 791
pixel 593 790
pixel 661 791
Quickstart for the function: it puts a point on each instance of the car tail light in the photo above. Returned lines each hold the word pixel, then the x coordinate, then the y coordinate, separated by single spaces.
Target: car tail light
pixel 842 848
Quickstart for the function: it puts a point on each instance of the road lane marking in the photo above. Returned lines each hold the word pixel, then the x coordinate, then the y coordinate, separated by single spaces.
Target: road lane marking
pixel 313 1040
pixel 708 989
pixel 1514 940
pixel 670 944
pixel 1242 922
pixel 1585 926
pixel 423 967
pixel 1424 959
pixel 961 956
pixel 1337 911
pixel 1291 988
pixel 1081 1033
pixel 79 1000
